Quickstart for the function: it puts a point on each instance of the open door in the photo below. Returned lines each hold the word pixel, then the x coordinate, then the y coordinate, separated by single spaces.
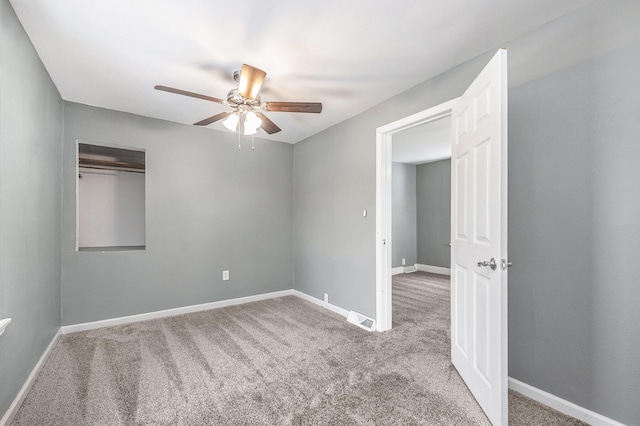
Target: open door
pixel 479 238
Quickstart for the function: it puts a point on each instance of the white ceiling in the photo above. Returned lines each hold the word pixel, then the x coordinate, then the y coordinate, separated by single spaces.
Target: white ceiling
pixel 349 55
pixel 424 143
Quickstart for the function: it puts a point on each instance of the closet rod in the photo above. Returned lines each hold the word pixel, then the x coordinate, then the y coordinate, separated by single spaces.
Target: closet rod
pixel 111 164
pixel 113 169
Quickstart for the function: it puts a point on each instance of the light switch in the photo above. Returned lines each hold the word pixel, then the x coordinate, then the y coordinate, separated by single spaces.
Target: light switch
pixel 364 213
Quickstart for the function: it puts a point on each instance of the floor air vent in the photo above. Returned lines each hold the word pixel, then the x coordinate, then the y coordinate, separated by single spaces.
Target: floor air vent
pixel 361 321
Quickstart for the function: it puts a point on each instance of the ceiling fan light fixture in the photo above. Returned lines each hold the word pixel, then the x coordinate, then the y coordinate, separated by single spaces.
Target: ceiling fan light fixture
pixel 243 101
pixel 252 120
pixel 250 131
pixel 231 122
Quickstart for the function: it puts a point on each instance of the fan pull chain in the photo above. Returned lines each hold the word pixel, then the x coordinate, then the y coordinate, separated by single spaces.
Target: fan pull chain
pixel 253 144
pixel 239 147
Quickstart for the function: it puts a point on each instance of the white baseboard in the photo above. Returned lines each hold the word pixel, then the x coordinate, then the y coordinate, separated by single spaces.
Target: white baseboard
pixel 172 312
pixel 433 269
pixel 17 402
pixel 66 329
pixel 319 302
pixel 562 405
pixel 403 270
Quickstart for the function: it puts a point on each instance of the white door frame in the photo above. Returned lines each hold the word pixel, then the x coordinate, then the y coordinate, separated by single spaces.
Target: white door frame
pixel 383 204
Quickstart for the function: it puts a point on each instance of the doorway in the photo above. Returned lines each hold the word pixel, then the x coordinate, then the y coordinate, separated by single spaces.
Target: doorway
pixel 384 197
pixel 478 232
pixel 421 205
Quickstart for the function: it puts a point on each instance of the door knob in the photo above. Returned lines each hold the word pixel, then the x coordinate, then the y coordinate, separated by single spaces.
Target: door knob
pixel 491 263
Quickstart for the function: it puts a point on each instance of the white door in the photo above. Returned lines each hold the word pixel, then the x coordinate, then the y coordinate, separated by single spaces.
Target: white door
pixel 479 238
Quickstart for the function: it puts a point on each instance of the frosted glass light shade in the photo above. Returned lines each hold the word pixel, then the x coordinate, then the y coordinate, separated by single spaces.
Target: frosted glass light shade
pixel 249 130
pixel 252 120
pixel 231 122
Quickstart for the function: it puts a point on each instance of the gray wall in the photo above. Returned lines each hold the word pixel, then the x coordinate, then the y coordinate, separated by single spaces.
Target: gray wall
pixel 209 207
pixel 334 180
pixel 433 184
pixel 30 196
pixel 403 214
pixel 573 209
pixel 573 205
pixel 333 241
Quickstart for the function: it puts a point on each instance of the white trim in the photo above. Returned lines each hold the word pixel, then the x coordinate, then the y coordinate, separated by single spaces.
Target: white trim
pixel 383 241
pixel 319 302
pixel 172 312
pixel 17 402
pixel 383 231
pixel 562 405
pixel 404 269
pixel 433 269
pixel 3 324
pixel 397 271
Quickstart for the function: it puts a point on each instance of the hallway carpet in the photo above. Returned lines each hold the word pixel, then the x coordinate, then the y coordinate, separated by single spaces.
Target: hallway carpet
pixel 282 361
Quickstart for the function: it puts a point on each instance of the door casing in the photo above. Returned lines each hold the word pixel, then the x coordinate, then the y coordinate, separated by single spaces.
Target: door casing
pixel 384 242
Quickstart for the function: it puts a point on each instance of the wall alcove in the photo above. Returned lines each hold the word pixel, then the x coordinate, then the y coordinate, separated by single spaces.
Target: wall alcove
pixel 110 198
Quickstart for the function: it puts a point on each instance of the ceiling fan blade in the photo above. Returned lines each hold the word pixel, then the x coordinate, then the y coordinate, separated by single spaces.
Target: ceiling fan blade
pixel 185 93
pixel 213 119
pixel 314 107
pixel 251 79
pixel 268 125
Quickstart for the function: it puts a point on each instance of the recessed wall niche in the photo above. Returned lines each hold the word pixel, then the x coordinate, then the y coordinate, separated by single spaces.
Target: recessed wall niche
pixel 110 198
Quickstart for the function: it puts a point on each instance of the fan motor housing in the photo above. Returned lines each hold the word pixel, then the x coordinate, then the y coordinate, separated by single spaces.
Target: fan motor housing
pixel 236 100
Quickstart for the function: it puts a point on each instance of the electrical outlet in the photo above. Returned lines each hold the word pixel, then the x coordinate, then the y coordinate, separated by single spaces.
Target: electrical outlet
pixel 326 297
pixel 404 261
pixel 225 275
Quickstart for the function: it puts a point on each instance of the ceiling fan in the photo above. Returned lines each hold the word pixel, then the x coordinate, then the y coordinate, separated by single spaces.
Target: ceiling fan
pixel 245 103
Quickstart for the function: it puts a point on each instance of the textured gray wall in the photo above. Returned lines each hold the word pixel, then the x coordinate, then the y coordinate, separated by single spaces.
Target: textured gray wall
pixel 403 215
pixel 573 205
pixel 433 183
pixel 333 241
pixel 209 207
pixel 30 196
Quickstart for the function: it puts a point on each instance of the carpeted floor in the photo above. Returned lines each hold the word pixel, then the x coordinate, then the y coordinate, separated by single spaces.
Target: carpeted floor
pixel 277 362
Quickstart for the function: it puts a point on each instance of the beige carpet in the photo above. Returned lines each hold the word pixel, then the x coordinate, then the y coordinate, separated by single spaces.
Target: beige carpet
pixel 278 362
